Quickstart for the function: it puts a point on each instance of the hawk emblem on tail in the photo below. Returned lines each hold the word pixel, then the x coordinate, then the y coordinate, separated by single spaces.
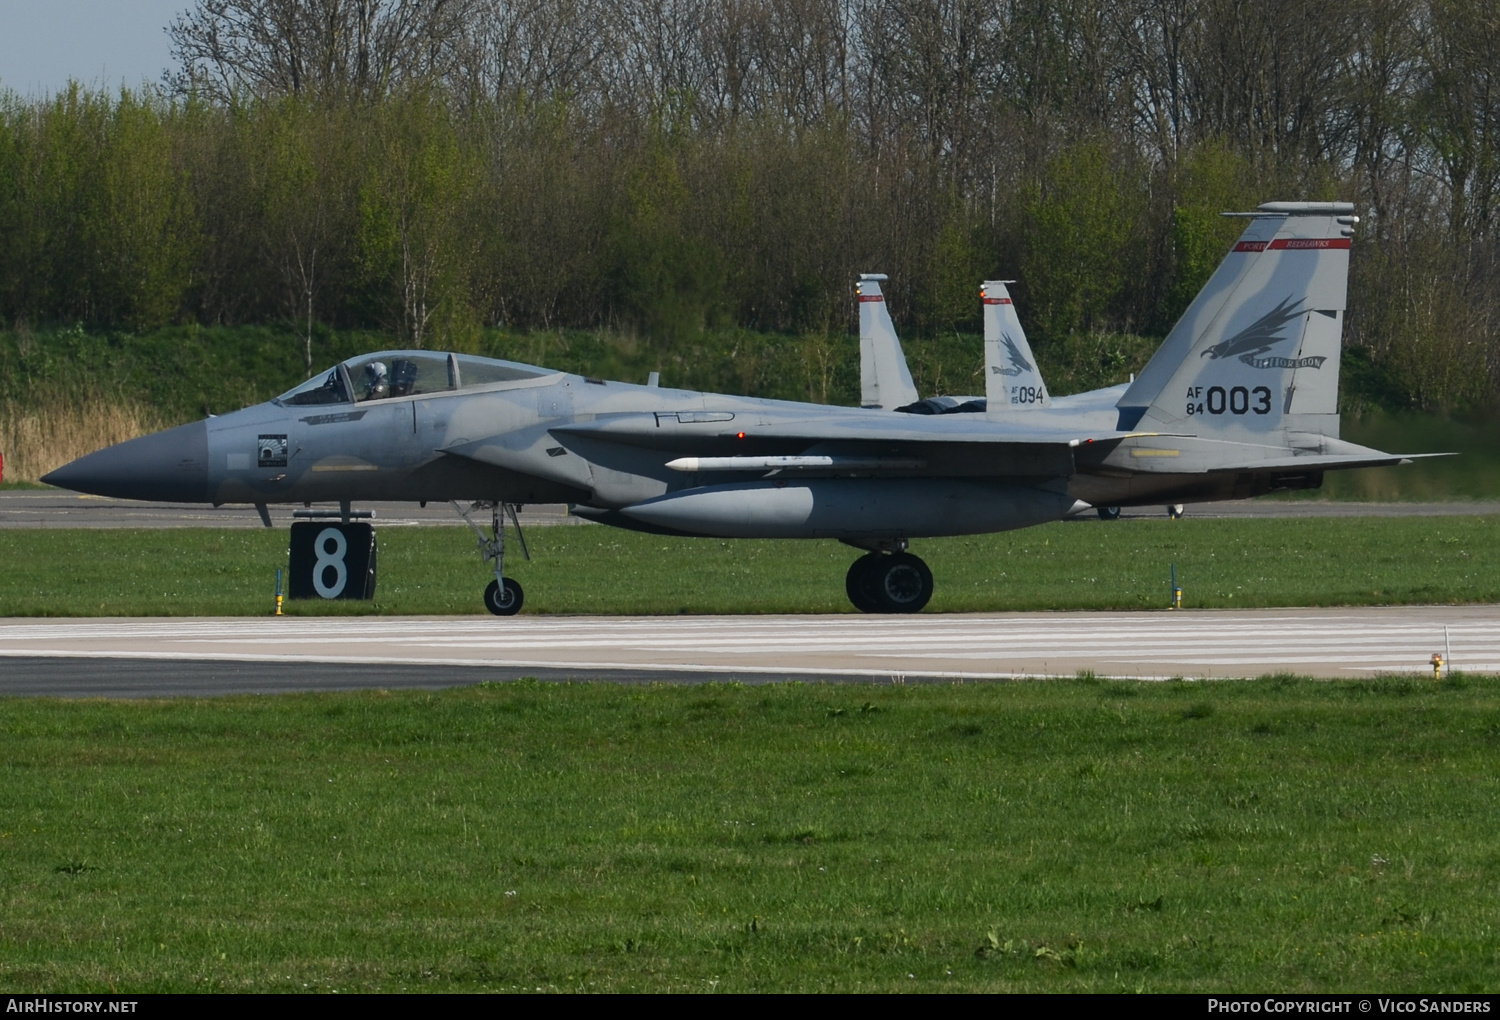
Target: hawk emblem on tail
pixel 1257 337
pixel 1018 364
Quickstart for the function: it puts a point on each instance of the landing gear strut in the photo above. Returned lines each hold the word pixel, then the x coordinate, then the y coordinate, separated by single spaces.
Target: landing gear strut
pixel 504 596
pixel 894 582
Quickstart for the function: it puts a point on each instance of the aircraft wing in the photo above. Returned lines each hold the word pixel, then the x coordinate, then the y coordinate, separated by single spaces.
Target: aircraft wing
pixel 868 443
pixel 651 430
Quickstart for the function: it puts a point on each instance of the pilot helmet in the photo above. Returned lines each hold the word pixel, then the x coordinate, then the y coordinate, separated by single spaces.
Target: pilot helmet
pixel 377 380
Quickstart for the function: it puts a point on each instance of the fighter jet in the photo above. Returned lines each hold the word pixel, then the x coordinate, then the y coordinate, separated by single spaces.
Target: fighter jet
pixel 1013 379
pixel 1240 399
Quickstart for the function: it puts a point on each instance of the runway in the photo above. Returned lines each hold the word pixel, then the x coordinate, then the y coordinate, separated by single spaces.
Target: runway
pixel 300 653
pixel 58 508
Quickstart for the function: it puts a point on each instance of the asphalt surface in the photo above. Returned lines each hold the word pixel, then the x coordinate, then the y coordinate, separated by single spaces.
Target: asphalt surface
pixel 58 508
pixel 158 657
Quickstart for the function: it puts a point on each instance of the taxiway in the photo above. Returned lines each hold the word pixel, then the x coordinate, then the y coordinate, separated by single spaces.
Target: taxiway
pixel 71 657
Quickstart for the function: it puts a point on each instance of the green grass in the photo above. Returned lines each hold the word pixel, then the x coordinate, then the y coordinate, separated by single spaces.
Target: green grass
pixel 1278 834
pixel 1084 564
pixel 1473 474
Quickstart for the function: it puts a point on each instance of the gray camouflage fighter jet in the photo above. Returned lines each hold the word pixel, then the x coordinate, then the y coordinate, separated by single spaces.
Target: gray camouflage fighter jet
pixel 1241 399
pixel 1013 382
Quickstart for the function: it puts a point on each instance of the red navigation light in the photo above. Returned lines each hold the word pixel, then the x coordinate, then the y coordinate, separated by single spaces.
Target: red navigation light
pixel 740 435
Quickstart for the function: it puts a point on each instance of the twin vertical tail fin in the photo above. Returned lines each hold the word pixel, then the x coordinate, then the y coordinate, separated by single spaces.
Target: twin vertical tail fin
pixel 1257 351
pixel 1012 380
pixel 884 380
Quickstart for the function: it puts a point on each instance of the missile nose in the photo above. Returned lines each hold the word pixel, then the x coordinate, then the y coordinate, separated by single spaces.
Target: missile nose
pixel 170 466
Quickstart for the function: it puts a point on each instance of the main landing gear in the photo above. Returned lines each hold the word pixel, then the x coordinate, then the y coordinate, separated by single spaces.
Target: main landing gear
pixel 504 596
pixel 889 582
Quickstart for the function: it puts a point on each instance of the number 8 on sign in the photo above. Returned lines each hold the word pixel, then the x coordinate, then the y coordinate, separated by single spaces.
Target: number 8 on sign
pixel 330 560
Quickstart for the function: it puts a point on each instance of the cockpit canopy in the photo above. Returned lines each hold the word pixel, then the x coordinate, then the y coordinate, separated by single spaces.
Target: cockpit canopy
pixel 404 374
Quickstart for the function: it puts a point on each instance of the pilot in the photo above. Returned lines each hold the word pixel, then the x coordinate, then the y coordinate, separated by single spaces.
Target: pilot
pixel 377 381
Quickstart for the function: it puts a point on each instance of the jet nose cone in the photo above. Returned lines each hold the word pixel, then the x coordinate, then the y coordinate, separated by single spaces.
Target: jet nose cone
pixel 170 466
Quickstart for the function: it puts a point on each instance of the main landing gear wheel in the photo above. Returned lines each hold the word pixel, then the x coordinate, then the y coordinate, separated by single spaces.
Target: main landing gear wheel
pixel 504 600
pixel 900 583
pixel 859 583
pixel 1109 513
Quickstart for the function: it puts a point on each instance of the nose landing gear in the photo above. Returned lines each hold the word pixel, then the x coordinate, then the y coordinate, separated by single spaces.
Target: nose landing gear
pixel 504 596
pixel 889 583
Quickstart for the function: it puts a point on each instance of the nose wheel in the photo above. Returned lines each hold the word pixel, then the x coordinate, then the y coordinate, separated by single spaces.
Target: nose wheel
pixel 889 583
pixel 504 597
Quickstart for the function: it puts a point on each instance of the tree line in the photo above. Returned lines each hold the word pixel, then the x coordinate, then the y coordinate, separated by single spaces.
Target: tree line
pixel 432 168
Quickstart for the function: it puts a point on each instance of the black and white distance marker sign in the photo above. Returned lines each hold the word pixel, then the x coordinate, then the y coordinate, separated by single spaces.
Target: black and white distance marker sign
pixel 332 561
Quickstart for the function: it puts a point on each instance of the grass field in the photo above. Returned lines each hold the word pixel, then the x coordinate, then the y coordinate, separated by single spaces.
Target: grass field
pixel 1278 834
pixel 1083 564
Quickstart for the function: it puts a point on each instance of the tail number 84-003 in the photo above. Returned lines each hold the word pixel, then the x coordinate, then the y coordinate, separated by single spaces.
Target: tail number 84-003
pixel 1236 400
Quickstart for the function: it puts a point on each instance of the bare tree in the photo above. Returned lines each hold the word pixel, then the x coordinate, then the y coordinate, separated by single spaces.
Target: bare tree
pixel 536 49
pixel 315 48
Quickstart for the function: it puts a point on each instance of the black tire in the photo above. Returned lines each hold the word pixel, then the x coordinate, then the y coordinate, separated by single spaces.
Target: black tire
pixel 859 584
pixel 902 584
pixel 1109 513
pixel 506 603
pixel 1175 511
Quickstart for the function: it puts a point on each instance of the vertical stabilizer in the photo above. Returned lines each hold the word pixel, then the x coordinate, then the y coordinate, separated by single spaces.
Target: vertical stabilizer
pixel 884 380
pixel 1258 349
pixel 1012 380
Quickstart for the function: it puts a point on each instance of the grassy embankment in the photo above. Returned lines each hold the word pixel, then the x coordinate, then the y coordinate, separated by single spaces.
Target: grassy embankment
pixel 1268 835
pixel 68 392
pixel 1083 564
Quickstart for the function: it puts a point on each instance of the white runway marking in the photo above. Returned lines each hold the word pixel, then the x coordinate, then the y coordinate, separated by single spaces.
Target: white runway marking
pixel 1320 642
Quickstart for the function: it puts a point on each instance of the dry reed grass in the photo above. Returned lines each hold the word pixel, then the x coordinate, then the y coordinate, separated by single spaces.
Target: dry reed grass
pixel 63 426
